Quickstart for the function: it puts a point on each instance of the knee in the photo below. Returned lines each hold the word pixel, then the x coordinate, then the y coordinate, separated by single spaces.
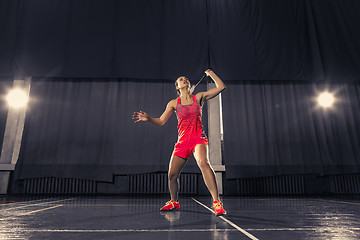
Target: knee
pixel 173 176
pixel 203 163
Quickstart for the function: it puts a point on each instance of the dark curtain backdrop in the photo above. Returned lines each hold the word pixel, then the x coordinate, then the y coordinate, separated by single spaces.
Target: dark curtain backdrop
pixel 270 53
pixel 5 86
pixel 141 39
pixel 84 129
pixel 273 129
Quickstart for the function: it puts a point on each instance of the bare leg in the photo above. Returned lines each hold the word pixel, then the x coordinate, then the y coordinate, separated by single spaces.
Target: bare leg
pixel 207 171
pixel 175 167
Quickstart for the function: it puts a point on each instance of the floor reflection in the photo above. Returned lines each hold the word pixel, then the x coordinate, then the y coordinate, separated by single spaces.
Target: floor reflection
pixel 175 226
pixel 337 226
pixel 171 216
pixel 220 235
pixel 103 217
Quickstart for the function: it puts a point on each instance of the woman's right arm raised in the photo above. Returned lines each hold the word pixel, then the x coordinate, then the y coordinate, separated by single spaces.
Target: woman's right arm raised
pixel 143 116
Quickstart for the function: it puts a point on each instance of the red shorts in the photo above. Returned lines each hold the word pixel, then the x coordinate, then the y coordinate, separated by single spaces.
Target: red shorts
pixel 185 149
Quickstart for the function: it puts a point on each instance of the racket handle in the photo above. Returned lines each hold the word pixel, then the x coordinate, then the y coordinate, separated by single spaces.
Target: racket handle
pixel 194 86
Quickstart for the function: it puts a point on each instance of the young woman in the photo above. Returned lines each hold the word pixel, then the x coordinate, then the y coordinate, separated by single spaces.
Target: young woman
pixel 191 138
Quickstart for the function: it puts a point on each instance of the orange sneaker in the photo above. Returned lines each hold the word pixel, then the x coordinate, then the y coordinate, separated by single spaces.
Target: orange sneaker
pixel 170 205
pixel 218 207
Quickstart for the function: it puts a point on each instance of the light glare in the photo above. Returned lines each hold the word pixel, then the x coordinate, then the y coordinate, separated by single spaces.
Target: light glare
pixel 326 99
pixel 17 98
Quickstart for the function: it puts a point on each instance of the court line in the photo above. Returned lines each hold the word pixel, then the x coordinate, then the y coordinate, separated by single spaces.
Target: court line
pixel 41 210
pixel 299 229
pixel 116 205
pixel 37 204
pixel 228 221
pixel 3 204
pixel 28 213
pixel 332 214
pixel 167 230
pixel 121 230
pixel 330 200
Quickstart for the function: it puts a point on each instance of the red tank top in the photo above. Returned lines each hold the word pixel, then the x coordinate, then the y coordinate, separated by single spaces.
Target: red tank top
pixel 189 121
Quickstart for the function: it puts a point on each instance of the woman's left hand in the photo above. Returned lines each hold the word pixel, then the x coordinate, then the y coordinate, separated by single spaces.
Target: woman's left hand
pixel 208 72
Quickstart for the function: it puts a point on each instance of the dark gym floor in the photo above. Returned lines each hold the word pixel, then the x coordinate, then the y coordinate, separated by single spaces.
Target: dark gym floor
pixel 117 217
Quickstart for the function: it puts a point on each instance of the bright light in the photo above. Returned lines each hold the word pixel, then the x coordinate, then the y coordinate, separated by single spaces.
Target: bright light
pixel 17 98
pixel 326 99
